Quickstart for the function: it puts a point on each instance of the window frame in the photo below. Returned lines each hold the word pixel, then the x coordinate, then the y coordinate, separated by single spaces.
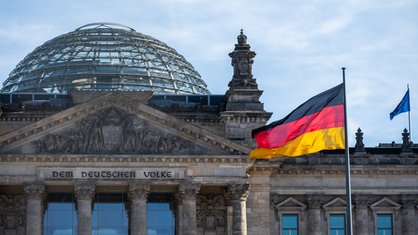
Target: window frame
pixel 337 206
pixel 290 206
pixel 385 206
pixel 344 222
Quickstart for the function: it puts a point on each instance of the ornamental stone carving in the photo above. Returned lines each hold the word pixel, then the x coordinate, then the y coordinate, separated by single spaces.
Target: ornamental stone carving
pixel 34 190
pixel 114 131
pixel 238 191
pixel 139 190
pixel 188 190
pixel 361 201
pixel 12 214
pixel 242 59
pixel 408 200
pixel 314 201
pixel 84 190
pixel 211 214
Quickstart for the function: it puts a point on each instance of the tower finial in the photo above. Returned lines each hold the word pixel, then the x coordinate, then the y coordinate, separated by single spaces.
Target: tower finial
pixel 242 39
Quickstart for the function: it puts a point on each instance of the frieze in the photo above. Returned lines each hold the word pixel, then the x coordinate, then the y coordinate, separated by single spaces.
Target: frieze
pixel 60 173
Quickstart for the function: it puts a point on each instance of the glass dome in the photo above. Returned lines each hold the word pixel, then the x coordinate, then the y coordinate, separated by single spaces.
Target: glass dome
pixel 105 56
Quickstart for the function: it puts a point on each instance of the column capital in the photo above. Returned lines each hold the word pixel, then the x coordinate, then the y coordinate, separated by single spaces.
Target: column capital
pixel 361 201
pixel 408 200
pixel 188 189
pixel 84 190
pixel 139 190
pixel 238 191
pixel 314 201
pixel 34 190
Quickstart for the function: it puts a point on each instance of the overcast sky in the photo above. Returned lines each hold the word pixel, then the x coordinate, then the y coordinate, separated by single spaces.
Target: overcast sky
pixel 300 45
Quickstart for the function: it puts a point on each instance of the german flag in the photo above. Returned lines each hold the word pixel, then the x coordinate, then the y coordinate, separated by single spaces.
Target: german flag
pixel 317 124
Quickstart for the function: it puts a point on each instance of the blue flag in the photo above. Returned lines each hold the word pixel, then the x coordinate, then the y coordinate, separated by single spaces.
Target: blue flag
pixel 402 107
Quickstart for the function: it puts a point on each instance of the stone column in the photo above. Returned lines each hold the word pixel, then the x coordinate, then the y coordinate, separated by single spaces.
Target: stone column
pixel 314 214
pixel 408 214
pixel 187 193
pixel 84 193
pixel 238 194
pixel 138 195
pixel 361 214
pixel 35 193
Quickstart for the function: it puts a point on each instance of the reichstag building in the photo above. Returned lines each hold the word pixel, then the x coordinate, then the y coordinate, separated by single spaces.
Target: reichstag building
pixel 107 131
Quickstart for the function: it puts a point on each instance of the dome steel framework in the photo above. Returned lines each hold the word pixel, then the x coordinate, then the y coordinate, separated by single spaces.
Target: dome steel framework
pixel 105 56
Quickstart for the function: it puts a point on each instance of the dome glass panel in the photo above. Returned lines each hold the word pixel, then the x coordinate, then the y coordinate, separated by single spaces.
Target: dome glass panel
pixel 105 56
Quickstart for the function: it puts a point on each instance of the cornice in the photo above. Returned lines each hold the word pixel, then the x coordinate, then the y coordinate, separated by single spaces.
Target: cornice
pixel 355 170
pixel 90 158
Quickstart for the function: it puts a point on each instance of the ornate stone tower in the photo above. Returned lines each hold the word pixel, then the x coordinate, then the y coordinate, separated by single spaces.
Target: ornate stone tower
pixel 244 111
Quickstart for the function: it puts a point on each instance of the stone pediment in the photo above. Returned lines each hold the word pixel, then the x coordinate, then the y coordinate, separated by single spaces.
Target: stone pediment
pixel 114 123
pixel 291 203
pixel 385 203
pixel 335 204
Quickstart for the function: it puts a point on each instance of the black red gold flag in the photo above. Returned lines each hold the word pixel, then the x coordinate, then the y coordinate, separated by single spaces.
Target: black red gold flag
pixel 317 124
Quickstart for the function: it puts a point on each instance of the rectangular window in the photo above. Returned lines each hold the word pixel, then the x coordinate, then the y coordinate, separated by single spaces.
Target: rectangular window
pixel 289 224
pixel 109 214
pixel 384 224
pixel 337 224
pixel 60 215
pixel 161 214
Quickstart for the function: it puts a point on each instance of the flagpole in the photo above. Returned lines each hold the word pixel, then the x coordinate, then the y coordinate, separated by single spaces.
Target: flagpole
pixel 347 165
pixel 409 115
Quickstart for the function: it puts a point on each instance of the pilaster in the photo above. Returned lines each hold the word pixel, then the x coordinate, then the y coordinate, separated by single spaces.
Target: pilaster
pixel 361 215
pixel 314 214
pixel 408 213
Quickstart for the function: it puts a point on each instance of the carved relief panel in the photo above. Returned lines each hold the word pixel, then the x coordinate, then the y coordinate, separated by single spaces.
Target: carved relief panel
pixel 211 214
pixel 115 131
pixel 12 214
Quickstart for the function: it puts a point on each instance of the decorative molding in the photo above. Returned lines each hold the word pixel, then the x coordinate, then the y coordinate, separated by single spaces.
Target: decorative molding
pixel 25 158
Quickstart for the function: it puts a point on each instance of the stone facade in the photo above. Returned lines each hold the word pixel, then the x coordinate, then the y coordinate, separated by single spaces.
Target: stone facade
pixel 198 154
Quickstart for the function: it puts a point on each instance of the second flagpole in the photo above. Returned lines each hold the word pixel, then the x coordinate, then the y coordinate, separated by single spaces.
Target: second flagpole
pixel 347 165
